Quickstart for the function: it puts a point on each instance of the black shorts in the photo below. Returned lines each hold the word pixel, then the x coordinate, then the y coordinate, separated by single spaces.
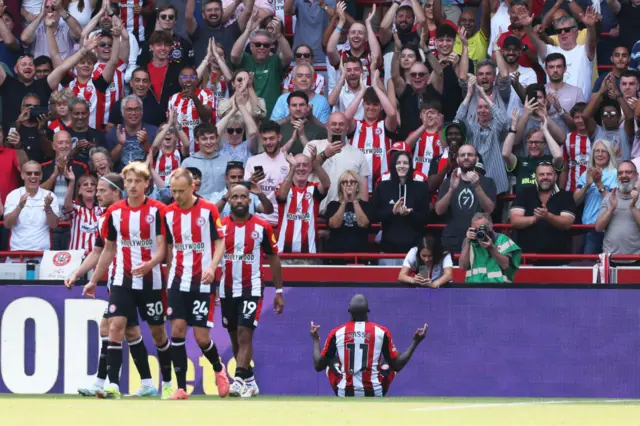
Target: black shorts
pixel 150 304
pixel 195 308
pixel 240 312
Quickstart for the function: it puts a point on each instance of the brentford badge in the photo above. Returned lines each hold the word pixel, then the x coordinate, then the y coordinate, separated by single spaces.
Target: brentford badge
pixel 307 196
pixel 62 258
pixel 88 89
pixel 201 221
pixel 112 308
pixel 150 218
pixel 169 311
pixel 378 131
pixel 255 235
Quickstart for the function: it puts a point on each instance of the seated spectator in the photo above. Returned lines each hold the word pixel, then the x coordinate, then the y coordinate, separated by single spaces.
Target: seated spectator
pixel 343 95
pixel 131 141
pixel 234 176
pixel 348 217
pixel 244 94
pixel 401 147
pixel 31 212
pixel 488 256
pixel 298 203
pixel 619 216
pixel 54 172
pixel 197 177
pixel 593 185
pixel 428 264
pixel 303 55
pixel 60 114
pixel 524 168
pixel 542 214
pixel 464 194
pixel 487 129
pixel 300 127
pixel 32 130
pixel 241 134
pixel 208 160
pixel 303 78
pixel 402 206
pixel 152 111
pixel 83 211
pixel 100 161
pixel 273 163
pixel 425 141
pixel 83 137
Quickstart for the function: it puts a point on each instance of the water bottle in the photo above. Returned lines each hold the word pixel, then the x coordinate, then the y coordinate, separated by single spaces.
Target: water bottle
pixel 31 270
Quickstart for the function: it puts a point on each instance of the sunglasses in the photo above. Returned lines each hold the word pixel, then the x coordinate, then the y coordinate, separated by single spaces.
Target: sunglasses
pixel 105 44
pixel 232 130
pixel 349 182
pixel 545 163
pixel 608 114
pixel 33 173
pixel 261 45
pixel 166 17
pixel 418 74
pixel 303 55
pixel 30 105
pixel 189 77
pixel 534 142
pixel 565 30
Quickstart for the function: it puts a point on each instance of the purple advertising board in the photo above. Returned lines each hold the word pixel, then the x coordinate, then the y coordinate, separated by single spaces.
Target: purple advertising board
pixel 542 342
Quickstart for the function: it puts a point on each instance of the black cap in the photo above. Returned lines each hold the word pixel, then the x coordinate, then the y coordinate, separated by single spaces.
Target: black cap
pixel 512 41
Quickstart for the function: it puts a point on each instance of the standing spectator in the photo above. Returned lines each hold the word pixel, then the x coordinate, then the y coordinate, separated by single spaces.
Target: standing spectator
pixel 273 163
pixel 59 113
pixel 165 75
pixel 579 57
pixel 488 256
pixel 298 204
pixel 181 51
pixel 241 140
pixel 152 110
pixel 427 264
pixel 402 206
pixel 403 59
pixel 303 54
pixel 542 214
pixel 498 88
pixel 464 194
pixel 12 157
pixel 208 160
pixel 9 45
pixel 343 95
pixel 31 212
pixel 524 167
pixel 234 176
pixel 511 51
pixel 43 64
pixel 299 127
pixel 310 22
pixel 83 137
pixel 65 27
pixel 619 216
pixel 244 94
pixel 425 141
pixel 452 66
pixel 620 60
pixel 131 141
pixel 454 135
pixel 217 75
pixel 82 10
pixel 32 130
pixel 267 69
pixel 576 150
pixel 348 217
pixel 486 131
pixel 303 79
pixel 593 186
pixel 83 211
pixel 563 96
pixel 478 37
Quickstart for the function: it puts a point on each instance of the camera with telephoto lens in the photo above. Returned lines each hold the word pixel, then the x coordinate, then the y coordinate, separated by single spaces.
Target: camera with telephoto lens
pixel 481 233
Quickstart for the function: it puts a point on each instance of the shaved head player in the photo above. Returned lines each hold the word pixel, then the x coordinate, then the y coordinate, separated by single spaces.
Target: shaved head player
pixel 246 238
pixel 357 353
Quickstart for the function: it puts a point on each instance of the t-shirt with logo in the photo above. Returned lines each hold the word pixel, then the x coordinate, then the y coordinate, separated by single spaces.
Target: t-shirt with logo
pixel 525 170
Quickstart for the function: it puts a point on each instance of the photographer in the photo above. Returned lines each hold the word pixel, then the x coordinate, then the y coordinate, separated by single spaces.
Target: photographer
pixel 488 256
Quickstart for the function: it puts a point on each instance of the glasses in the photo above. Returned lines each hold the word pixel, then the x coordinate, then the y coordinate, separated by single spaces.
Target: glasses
pixel 165 17
pixel 303 55
pixel 189 77
pixel 600 151
pixel 565 30
pixel 232 130
pixel 608 114
pixel 103 45
pixel 36 174
pixel 30 105
pixel 137 109
pixel 349 182
pixel 534 142
pixel 259 45
pixel 418 74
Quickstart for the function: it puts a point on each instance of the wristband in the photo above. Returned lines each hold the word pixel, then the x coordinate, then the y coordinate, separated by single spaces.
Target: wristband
pixel 279 290
pixel 339 29
pixel 511 130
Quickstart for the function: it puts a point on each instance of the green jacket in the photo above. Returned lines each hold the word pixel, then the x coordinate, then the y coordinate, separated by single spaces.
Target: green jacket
pixel 484 268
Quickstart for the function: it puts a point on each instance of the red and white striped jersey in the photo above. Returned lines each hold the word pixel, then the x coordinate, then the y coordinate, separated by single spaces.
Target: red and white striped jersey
pixel 365 59
pixel 372 140
pixel 417 176
pixel 84 227
pixel 115 91
pixel 427 147
pixel 577 154
pixel 318 83
pixel 193 234
pixel 298 217
pixel 187 115
pixel 220 89
pixel 165 164
pixel 361 347
pixel 135 231
pixel 99 242
pixel 289 21
pixel 94 92
pixel 244 245
pixel 56 125
pixel 133 23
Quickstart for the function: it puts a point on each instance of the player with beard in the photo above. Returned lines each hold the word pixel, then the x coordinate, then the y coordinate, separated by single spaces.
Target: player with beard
pixel 247 239
pixel 464 194
pixel 109 191
pixel 352 370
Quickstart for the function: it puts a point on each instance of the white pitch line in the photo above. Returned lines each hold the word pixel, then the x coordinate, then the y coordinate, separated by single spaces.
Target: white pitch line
pixel 521 403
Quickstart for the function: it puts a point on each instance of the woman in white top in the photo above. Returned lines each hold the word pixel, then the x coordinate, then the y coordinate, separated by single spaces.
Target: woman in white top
pixel 81 10
pixel 427 264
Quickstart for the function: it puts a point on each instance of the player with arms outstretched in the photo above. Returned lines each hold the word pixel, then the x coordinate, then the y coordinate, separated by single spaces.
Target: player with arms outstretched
pixel 134 233
pixel 195 245
pixel 360 353
pixel 247 237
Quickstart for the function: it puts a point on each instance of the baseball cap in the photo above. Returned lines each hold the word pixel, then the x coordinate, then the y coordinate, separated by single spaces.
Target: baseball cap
pixel 512 41
pixel 399 146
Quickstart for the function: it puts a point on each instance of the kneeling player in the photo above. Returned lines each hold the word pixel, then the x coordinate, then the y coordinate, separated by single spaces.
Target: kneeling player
pixel 349 352
pixel 194 236
pixel 246 238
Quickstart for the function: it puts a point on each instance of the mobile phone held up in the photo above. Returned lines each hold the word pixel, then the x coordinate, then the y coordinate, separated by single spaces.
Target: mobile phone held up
pixel 36 112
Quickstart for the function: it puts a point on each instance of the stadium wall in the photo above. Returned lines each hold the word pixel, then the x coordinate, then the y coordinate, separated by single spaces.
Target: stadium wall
pixel 507 342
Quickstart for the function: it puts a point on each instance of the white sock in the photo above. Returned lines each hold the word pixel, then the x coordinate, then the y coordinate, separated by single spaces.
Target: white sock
pixel 99 383
pixel 167 384
pixel 147 382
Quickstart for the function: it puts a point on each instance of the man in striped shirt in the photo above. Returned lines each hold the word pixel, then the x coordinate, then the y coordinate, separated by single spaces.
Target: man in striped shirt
pixel 246 238
pixel 360 353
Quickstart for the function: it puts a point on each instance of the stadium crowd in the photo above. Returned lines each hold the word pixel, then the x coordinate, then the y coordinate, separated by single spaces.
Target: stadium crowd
pixel 428 112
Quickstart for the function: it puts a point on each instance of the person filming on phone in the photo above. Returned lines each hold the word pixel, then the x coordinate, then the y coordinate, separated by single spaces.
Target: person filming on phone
pixel 488 256
pixel 234 176
pixel 428 264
